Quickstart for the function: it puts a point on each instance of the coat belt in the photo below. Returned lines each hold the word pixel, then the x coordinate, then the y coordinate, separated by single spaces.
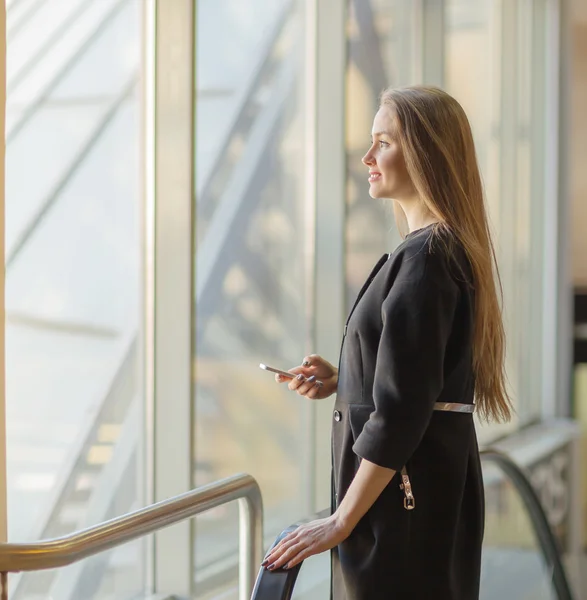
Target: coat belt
pixel 454 407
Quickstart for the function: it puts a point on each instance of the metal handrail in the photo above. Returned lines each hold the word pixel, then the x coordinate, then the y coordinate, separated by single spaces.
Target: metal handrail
pixel 63 551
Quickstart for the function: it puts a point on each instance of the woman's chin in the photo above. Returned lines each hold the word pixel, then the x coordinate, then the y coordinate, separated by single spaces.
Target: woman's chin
pixel 375 192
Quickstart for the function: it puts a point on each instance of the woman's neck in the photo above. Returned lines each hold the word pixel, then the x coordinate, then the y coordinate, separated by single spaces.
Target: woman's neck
pixel 417 215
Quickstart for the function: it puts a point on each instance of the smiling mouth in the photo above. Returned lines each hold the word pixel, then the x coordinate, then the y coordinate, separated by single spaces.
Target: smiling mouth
pixel 374 176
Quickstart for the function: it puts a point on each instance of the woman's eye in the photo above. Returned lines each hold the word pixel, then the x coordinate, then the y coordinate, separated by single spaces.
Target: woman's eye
pixel 382 143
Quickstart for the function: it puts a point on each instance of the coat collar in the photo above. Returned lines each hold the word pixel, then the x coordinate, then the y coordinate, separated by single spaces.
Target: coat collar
pixel 367 283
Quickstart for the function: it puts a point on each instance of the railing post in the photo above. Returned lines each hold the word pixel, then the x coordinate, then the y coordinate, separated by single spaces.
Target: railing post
pixel 250 541
pixel 4 586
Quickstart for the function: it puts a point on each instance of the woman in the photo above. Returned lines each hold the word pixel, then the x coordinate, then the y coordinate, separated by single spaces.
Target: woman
pixel 423 347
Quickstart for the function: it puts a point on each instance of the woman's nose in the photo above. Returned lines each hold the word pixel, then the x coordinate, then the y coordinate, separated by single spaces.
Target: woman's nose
pixel 367 159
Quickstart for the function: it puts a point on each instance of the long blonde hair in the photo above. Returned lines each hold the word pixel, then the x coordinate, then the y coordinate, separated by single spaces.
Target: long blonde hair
pixel 437 143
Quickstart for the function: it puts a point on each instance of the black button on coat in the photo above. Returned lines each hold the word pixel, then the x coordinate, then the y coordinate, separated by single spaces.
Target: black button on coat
pixel 408 344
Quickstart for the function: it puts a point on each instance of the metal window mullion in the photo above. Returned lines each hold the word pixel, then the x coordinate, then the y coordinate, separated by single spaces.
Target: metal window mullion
pixel 433 42
pixel 3 483
pixel 172 292
pixel 3 490
pixel 329 287
pixel 561 108
pixel 310 432
pixel 508 125
pixel 545 56
pixel 528 275
pixel 535 60
pixel 557 316
pixel 147 451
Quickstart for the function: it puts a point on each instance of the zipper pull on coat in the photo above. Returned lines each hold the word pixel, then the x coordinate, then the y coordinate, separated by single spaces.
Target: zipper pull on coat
pixel 406 486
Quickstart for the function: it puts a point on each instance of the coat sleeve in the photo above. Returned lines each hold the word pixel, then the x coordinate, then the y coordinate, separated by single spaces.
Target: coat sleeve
pixel 417 318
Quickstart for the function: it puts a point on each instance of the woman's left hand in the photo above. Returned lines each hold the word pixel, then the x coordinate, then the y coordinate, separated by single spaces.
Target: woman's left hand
pixel 307 540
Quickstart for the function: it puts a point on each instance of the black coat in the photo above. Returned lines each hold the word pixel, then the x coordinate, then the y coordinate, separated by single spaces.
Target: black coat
pixel 407 345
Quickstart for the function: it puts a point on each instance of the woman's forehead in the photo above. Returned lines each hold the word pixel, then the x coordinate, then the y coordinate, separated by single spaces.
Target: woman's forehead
pixel 384 121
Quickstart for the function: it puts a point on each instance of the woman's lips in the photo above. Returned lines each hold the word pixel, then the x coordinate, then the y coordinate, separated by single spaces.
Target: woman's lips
pixel 374 176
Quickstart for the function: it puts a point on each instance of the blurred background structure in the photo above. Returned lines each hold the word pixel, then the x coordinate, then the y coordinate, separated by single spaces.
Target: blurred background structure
pixel 184 198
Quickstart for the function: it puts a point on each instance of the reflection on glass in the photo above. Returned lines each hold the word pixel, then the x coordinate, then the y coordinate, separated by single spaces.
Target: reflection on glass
pixel 73 308
pixel 250 293
pixel 381 39
pixel 513 565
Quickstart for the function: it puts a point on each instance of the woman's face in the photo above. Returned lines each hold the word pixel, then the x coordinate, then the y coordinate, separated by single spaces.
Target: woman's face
pixel 388 176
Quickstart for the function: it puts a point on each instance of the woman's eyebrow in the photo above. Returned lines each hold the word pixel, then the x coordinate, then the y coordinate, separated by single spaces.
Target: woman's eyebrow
pixel 381 133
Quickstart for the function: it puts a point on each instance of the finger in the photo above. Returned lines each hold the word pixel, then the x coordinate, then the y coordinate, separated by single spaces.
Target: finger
pixel 295 383
pixel 273 556
pixel 312 390
pixel 279 548
pixel 287 556
pixel 306 385
pixel 315 390
pixel 309 361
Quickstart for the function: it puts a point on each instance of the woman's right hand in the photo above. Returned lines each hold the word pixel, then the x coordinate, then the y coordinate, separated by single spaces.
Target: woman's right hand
pixel 316 378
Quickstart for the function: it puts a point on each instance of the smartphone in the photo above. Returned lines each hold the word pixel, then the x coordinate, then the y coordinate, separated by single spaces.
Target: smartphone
pixel 278 371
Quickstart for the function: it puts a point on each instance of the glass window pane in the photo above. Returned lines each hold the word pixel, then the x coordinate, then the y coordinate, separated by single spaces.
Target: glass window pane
pixel 42 23
pixel 50 143
pixel 109 63
pixel 495 67
pixel 382 37
pixel 251 300
pixel 96 225
pixel 67 48
pixel 73 317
